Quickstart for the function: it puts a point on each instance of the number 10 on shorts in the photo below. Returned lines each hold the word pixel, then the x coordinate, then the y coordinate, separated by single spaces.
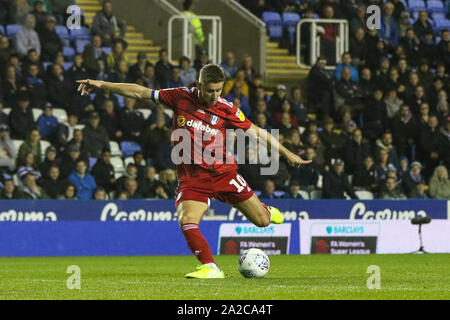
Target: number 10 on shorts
pixel 240 184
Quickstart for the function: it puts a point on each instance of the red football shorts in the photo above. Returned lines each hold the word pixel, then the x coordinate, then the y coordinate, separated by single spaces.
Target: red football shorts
pixel 229 187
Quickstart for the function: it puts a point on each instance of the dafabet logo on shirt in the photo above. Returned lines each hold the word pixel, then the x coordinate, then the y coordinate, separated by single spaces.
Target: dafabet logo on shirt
pixel 181 121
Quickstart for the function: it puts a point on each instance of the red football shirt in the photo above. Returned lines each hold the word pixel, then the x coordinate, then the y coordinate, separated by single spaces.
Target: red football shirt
pixel 206 126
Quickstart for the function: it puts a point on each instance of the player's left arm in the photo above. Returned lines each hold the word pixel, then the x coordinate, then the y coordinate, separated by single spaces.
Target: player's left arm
pixel 272 143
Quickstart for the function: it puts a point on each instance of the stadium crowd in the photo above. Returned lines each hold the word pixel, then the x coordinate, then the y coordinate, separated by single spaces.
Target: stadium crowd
pixel 380 122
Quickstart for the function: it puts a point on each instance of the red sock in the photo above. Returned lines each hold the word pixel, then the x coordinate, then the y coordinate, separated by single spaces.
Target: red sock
pixel 197 243
pixel 268 211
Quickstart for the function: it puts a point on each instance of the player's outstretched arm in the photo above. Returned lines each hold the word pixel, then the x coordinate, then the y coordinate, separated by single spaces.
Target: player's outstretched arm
pixel 131 90
pixel 272 143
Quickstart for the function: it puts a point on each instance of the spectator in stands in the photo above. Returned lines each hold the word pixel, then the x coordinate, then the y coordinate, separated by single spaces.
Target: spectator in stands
pixel 3 115
pixel 27 38
pixel 52 184
pixel 106 24
pixel 229 64
pixel 346 62
pixel 410 43
pixel 403 70
pixel 130 172
pixel 59 9
pixel 92 53
pixel 36 87
pixel 5 52
pixel 268 191
pixel 355 151
pixel 8 151
pixel 116 56
pixel 424 115
pixel 375 116
pixel 11 86
pixel 359 20
pixel 335 183
pixel 30 189
pixel 69 159
pixel 405 131
pixel 31 145
pixel 84 182
pixel 131 121
pixel 332 141
pixel 445 129
pixel 386 143
pixel 249 69
pixel 139 161
pixel 349 92
pixel 10 192
pixel 294 191
pixel 39 13
pixel 391 190
pixel 131 187
pixel 277 99
pixel 59 87
pixel 415 100
pixel 366 176
pixel 28 166
pixel 298 106
pixel 175 81
pixel 433 146
pixel 153 136
pixel 137 70
pixel 70 192
pixel 411 178
pixel 392 102
pixel 50 41
pixel 420 191
pixel 440 184
pixel 77 71
pixel 103 171
pixel 47 123
pixel 109 119
pixel 65 130
pixel 358 48
pixel 188 75
pixel 404 23
pixel 260 119
pixel 239 77
pixel 149 78
pixel 236 93
pixel 49 161
pixel 443 45
pixel 169 178
pixel 19 10
pixel 328 33
pixel 319 88
pixel 422 26
pixel 148 183
pixel 95 136
pixel 286 124
pixel 99 194
pixel 163 70
pixel 308 176
pixel 389 30
pixel 366 84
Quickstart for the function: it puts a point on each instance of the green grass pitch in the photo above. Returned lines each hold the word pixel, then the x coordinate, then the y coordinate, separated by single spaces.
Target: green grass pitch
pixel 290 277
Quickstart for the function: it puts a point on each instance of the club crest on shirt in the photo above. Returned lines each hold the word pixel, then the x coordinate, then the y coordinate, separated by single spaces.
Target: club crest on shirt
pixel 240 115
pixel 181 121
pixel 214 119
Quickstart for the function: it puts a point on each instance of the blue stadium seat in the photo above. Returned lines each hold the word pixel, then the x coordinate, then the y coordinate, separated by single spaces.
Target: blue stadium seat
pixel 107 50
pixel 68 53
pixel 12 29
pixel 438 16
pixel 2 30
pixel 279 193
pixel 435 6
pixel 92 162
pixel 121 100
pixel 290 21
pixel 80 44
pixel 67 65
pixel 80 34
pixel 274 24
pixel 47 64
pixel 416 5
pixel 442 24
pixel 129 148
pixel 62 32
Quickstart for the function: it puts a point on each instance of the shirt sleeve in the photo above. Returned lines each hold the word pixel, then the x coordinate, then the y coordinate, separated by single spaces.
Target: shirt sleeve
pixel 168 97
pixel 237 120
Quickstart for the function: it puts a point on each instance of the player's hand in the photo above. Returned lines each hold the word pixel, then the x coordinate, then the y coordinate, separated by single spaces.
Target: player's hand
pixel 295 161
pixel 86 86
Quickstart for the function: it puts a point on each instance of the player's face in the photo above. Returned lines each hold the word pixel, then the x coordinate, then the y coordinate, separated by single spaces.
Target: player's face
pixel 210 92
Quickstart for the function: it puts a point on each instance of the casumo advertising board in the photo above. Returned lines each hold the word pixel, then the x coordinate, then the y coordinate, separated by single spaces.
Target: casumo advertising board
pixel 234 238
pixel 364 237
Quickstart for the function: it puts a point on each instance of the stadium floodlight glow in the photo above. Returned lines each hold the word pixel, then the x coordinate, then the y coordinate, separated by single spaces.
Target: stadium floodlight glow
pixel 420 221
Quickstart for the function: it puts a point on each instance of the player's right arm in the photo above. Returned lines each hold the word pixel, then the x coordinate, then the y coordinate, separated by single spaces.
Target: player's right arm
pixel 131 90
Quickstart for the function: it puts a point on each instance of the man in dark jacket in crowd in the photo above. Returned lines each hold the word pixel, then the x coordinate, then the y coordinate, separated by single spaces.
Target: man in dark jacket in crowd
pixel 366 175
pixel 95 136
pixel 332 141
pixel 131 121
pixel 69 160
pixel 320 88
pixel 60 88
pixel 405 130
pixel 92 53
pixel 355 151
pixel 106 23
pixel 163 70
pixel 308 176
pixel 51 43
pixel 103 171
pixel 36 87
pixel 335 183
pixel 21 119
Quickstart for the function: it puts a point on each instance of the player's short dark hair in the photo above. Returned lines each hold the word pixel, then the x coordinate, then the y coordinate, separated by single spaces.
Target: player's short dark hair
pixel 211 73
